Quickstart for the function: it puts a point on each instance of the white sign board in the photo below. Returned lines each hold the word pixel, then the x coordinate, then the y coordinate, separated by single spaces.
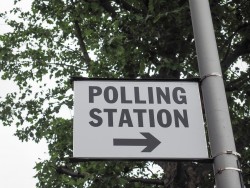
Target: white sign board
pixel 139 119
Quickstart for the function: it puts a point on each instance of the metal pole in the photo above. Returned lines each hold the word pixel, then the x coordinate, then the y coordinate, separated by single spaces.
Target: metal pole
pixel 226 168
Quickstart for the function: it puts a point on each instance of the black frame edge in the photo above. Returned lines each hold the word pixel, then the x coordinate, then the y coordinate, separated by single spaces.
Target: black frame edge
pixel 81 159
pixel 195 79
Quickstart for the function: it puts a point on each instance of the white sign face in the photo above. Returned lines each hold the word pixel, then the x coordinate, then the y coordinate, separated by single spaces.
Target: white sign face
pixel 121 119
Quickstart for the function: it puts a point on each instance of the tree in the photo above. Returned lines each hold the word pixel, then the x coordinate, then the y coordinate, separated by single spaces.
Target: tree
pixel 126 39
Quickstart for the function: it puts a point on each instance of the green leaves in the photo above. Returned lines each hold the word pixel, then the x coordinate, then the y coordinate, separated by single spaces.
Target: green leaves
pixel 129 39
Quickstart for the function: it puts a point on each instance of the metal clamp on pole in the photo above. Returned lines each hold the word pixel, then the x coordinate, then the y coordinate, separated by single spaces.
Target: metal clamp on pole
pixel 219 171
pixel 211 74
pixel 229 152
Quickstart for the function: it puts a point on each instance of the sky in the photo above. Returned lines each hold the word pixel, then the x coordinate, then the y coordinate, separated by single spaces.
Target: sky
pixel 17 158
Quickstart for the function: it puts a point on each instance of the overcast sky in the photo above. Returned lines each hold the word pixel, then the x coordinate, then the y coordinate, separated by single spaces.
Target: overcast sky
pixel 17 159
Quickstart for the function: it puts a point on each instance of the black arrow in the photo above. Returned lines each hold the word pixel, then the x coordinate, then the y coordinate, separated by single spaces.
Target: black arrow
pixel 150 142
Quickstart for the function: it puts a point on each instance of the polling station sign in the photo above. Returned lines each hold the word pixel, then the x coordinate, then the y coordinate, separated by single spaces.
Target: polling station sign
pixel 138 119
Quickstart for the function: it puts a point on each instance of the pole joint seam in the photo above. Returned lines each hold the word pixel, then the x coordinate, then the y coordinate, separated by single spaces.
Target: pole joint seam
pixel 211 74
pixel 229 152
pixel 220 170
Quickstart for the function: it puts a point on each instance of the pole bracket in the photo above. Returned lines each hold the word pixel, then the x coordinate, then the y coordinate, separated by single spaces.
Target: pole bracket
pixel 229 152
pixel 220 170
pixel 211 74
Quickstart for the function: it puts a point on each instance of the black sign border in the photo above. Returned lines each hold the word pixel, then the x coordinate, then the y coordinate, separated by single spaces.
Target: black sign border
pixel 195 79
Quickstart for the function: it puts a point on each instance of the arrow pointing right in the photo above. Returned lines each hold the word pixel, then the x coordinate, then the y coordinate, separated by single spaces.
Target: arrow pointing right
pixel 150 142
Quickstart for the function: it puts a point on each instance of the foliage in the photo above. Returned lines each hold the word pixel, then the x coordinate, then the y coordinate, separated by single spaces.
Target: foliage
pixel 126 39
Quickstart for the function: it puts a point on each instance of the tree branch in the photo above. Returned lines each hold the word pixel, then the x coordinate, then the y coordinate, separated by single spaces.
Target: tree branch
pixel 80 38
pixel 241 49
pixel 146 181
pixel 129 7
pixel 81 42
pixel 228 42
pixel 107 6
pixel 238 83
pixel 66 171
